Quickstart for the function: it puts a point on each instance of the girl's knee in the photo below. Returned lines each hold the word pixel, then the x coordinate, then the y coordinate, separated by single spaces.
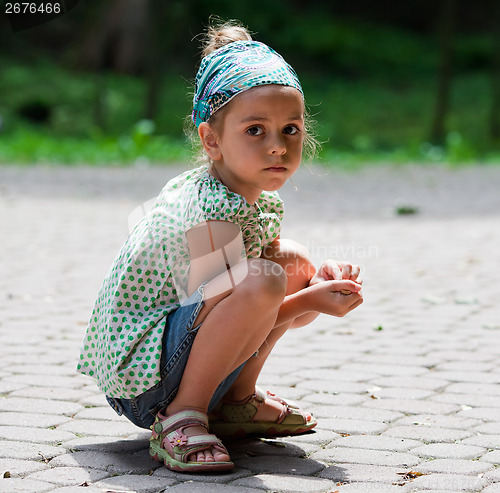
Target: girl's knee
pixel 265 279
pixel 295 261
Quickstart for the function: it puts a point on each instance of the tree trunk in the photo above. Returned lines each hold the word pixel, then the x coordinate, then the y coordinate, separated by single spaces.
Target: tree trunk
pixel 155 48
pixel 446 31
pixel 116 37
pixel 495 75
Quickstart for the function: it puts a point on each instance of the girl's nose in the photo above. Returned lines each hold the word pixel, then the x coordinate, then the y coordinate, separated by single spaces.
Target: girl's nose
pixel 277 147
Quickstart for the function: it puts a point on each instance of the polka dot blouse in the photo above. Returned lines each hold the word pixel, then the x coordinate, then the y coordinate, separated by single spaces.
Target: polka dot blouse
pixel 148 278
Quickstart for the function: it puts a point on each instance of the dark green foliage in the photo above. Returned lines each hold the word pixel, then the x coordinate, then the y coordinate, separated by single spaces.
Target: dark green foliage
pixel 369 76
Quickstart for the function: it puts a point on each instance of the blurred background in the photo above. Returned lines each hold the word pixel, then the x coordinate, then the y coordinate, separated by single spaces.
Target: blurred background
pixel 109 82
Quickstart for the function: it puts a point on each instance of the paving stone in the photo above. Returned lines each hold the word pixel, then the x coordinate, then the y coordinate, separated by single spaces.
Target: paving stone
pixel 366 456
pixel 468 376
pixel 17 467
pixel 284 483
pixel 455 421
pixel 52 393
pixel 395 359
pixel 45 381
pixel 45 369
pixel 375 443
pixel 99 413
pixel 429 434
pixel 31 420
pixel 318 437
pixel 367 487
pixel 412 406
pixel 280 465
pixel 115 463
pixel 472 366
pixel 260 447
pixel 287 393
pixel 135 483
pixel 34 406
pixel 34 435
pixel 401 393
pixel 494 488
pixel 352 426
pixel 473 388
pixel 493 457
pixel 77 489
pixel 449 451
pixel 486 441
pixel 206 487
pixel 6 387
pixel 343 399
pixel 381 369
pixel 284 380
pixel 21 485
pixel 333 387
pixel 447 482
pixel 488 428
pixel 335 375
pixel 107 444
pixel 454 466
pixel 364 414
pixel 493 475
pixel 447 355
pixel 411 382
pixel 223 477
pixel 469 400
pixel 355 473
pixel 96 399
pixel 69 476
pixel 426 490
pixel 28 451
pixel 120 428
pixel 481 413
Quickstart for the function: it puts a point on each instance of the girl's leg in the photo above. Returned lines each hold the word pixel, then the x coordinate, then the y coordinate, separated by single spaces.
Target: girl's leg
pixel 235 325
pixel 294 260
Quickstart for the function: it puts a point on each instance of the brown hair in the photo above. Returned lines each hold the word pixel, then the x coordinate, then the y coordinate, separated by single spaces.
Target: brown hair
pixel 220 33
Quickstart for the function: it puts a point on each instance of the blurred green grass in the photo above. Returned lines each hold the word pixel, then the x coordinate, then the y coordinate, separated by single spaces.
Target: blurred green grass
pixel 374 116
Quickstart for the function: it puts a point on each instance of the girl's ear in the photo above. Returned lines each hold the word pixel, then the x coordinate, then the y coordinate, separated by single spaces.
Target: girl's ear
pixel 209 141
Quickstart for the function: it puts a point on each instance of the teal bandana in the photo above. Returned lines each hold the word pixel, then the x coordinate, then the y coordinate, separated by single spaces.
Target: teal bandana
pixel 234 68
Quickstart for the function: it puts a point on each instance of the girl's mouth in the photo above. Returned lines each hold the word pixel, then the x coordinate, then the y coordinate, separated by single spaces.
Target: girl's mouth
pixel 276 169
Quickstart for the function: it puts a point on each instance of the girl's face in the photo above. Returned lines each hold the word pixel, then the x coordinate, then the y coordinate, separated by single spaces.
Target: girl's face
pixel 259 143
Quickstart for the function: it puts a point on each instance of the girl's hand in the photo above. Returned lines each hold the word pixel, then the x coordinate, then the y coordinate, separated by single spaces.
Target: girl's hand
pixel 331 297
pixel 331 270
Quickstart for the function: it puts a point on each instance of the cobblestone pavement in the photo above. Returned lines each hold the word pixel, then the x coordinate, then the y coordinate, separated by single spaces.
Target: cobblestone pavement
pixel 406 389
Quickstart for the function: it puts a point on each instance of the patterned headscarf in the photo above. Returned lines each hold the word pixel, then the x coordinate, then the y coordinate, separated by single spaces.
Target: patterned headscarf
pixel 234 68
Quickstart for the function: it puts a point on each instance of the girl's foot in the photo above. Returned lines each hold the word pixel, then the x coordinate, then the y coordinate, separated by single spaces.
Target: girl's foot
pixel 181 440
pixel 259 414
pixel 209 455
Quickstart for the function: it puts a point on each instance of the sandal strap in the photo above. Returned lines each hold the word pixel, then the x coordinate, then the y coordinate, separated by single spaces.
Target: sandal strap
pixel 245 410
pixel 188 417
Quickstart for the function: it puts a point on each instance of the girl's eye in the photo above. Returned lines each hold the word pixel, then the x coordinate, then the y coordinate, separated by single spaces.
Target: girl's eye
pixel 290 130
pixel 255 131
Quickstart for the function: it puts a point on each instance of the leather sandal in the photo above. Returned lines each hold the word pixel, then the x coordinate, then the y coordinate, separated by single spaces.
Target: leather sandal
pixel 170 445
pixel 235 418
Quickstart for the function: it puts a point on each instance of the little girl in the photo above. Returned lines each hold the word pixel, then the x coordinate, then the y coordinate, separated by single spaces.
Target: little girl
pixel 204 286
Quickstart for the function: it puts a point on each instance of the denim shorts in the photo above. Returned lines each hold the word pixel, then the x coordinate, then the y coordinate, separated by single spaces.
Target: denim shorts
pixel 178 338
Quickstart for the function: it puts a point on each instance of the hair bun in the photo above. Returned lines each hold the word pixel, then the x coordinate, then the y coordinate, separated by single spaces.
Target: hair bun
pixel 223 33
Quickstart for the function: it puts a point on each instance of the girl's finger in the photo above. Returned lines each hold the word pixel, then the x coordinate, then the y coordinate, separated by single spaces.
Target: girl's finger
pixel 345 285
pixel 346 271
pixel 355 273
pixel 333 270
